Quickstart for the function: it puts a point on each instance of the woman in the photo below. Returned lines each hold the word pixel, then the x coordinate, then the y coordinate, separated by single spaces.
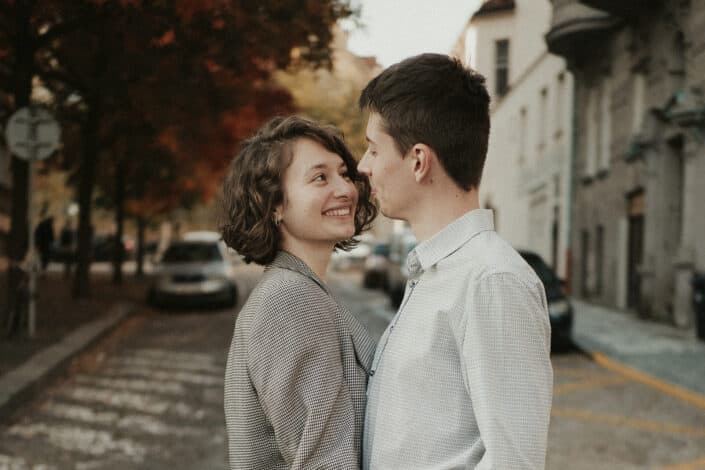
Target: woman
pixel 298 363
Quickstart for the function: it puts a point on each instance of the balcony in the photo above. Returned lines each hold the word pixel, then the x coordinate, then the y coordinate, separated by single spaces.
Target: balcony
pixel 575 26
pixel 624 8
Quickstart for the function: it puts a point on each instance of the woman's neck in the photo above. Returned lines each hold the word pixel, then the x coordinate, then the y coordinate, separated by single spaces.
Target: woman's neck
pixel 316 257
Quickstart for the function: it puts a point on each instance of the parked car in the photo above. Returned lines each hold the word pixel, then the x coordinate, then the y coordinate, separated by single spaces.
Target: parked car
pixel 376 266
pixel 354 258
pixel 104 247
pixel 400 245
pixel 560 309
pixel 197 271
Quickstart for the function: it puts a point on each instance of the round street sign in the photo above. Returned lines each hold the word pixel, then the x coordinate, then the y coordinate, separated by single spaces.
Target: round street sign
pixel 32 133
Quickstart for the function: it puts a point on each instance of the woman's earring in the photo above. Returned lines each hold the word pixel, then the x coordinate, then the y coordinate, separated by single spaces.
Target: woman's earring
pixel 277 219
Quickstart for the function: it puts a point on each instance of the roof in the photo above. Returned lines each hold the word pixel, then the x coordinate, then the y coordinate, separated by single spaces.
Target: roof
pixel 494 6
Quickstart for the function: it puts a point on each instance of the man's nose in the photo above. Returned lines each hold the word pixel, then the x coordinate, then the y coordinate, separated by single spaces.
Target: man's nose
pixel 362 165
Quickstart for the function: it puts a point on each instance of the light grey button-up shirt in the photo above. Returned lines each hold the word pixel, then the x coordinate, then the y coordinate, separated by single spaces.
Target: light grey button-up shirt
pixel 462 376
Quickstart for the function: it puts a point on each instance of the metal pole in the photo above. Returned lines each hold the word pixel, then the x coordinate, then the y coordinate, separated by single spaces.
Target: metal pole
pixel 32 288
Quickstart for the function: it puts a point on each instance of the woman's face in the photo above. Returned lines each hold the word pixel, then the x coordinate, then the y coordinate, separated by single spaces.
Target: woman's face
pixel 319 198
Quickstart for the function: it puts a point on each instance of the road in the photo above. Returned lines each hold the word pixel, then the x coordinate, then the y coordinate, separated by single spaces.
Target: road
pixel 149 396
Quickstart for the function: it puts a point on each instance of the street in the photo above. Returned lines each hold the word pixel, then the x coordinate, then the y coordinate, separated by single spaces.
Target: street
pixel 149 396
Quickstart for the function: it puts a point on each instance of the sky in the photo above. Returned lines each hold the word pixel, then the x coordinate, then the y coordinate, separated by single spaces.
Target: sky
pixel 396 29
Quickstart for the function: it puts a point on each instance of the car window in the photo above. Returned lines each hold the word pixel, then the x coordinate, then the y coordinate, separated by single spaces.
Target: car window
pixel 192 252
pixel 543 271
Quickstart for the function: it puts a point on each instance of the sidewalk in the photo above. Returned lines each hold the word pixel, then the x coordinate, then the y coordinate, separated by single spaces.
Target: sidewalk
pixel 663 352
pixel 65 327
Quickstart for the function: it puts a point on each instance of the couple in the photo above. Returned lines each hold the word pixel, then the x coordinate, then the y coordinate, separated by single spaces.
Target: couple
pixel 462 376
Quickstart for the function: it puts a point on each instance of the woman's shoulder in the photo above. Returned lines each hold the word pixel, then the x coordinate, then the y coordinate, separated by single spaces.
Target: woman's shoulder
pixel 284 290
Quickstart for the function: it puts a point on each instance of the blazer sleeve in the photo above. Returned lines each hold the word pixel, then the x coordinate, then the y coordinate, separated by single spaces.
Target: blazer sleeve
pixel 295 364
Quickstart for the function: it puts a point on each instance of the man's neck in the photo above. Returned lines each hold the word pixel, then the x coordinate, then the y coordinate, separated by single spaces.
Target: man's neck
pixel 437 211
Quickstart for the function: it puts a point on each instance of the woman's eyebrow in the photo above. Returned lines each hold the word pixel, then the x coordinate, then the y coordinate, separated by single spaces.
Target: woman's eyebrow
pixel 318 166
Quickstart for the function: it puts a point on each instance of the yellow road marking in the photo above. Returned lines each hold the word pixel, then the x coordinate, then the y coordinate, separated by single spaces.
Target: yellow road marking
pixel 642 425
pixel 589 383
pixel 574 371
pixel 695 465
pixel 667 388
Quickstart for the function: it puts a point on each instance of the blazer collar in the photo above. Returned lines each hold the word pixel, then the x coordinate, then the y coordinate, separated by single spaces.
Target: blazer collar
pixel 286 260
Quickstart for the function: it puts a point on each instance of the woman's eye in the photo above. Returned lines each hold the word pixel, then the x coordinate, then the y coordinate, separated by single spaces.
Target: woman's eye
pixel 346 175
pixel 320 177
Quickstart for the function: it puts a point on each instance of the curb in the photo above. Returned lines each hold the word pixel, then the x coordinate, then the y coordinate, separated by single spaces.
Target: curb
pixel 608 361
pixel 20 384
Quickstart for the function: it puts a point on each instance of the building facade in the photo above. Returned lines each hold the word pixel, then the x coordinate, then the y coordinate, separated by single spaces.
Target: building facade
pixel 527 174
pixel 639 71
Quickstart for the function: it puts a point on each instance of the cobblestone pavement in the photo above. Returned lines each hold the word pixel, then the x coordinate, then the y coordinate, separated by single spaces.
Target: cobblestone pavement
pixel 149 396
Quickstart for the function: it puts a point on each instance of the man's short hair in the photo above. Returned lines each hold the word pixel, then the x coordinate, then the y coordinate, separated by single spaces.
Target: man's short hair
pixel 434 100
pixel 253 186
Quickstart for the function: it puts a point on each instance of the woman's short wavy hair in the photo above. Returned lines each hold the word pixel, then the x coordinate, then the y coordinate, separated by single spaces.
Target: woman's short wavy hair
pixel 253 186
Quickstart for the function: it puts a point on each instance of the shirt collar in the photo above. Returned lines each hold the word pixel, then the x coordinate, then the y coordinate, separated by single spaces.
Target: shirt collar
pixel 286 260
pixel 449 239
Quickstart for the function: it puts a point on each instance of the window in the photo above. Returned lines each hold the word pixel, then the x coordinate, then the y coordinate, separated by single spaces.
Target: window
pixel 584 263
pixel 543 118
pixel 559 100
pixel 638 91
pixel 501 67
pixel 599 255
pixel 605 125
pixel 522 135
pixel 591 136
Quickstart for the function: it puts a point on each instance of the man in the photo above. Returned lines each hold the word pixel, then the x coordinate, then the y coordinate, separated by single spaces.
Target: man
pixel 462 377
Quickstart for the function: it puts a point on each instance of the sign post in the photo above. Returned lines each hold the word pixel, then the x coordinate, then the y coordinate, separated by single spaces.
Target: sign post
pixel 32 134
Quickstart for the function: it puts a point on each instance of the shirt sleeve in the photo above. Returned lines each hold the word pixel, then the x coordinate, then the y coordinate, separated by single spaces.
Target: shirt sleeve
pixel 508 372
pixel 295 364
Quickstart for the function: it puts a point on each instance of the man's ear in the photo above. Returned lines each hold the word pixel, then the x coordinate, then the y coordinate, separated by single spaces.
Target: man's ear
pixel 422 158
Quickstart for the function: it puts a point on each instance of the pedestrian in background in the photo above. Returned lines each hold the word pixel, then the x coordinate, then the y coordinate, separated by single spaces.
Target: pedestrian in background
pixel 298 363
pixel 462 376
pixel 44 238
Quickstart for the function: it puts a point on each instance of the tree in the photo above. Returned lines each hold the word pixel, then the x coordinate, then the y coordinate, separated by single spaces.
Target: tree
pixel 89 53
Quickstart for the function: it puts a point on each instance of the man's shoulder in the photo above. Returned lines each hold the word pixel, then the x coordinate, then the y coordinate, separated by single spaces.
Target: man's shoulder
pixel 488 255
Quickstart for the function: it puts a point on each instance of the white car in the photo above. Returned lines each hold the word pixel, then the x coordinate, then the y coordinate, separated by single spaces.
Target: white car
pixel 194 271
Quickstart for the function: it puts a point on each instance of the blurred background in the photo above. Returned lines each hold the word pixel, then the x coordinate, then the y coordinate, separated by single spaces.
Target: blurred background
pixel 595 168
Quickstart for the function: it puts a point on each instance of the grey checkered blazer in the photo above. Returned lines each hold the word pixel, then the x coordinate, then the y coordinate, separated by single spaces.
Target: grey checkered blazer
pixel 296 375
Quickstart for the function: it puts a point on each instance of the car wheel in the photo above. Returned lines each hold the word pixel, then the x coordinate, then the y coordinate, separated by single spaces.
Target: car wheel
pixel 396 296
pixel 232 298
pixel 152 300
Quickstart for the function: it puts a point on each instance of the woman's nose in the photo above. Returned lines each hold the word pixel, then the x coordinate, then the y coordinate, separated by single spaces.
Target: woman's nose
pixel 345 187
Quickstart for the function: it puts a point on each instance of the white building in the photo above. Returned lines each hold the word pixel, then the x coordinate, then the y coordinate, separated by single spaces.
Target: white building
pixel 527 173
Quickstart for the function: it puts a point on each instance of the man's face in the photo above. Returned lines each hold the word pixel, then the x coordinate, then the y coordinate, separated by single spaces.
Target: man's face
pixel 390 175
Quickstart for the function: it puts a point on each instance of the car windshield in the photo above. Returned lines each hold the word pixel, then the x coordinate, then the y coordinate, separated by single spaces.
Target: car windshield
pixel 192 252
pixel 544 272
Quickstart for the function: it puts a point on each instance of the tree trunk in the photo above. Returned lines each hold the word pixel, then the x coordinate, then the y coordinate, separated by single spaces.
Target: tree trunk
pixel 141 227
pixel 118 253
pixel 86 175
pixel 24 47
